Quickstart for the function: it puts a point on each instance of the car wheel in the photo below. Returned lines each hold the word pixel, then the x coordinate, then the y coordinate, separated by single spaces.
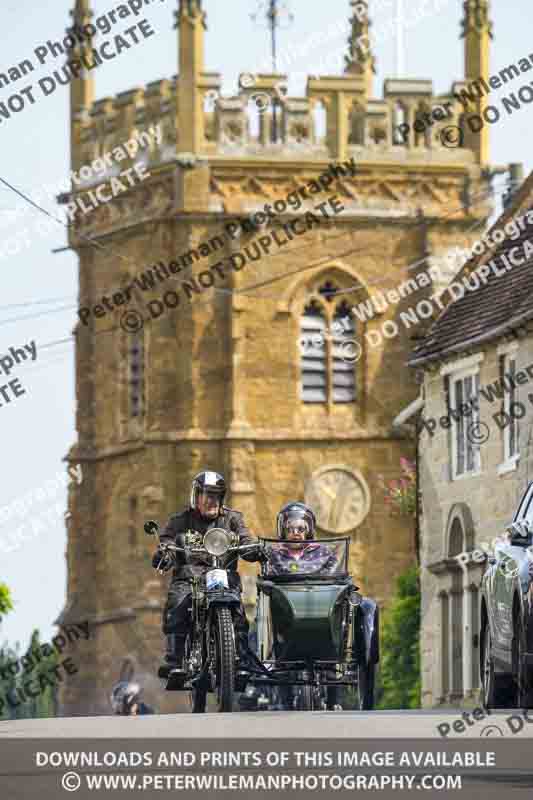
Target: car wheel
pixel 494 688
pixel 523 692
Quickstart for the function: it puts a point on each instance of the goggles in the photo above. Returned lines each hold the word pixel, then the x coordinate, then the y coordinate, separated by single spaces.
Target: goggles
pixel 297 527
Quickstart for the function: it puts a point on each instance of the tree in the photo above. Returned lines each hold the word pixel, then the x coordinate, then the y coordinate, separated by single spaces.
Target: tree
pixel 5 601
pixel 15 673
pixel 400 646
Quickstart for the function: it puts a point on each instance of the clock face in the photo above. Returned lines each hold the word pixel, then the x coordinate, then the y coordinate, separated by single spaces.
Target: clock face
pixel 339 497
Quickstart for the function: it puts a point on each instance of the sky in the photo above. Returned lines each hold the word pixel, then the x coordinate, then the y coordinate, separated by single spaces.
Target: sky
pixel 39 287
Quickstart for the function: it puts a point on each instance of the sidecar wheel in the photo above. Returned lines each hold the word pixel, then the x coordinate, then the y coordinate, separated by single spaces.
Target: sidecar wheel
pixel 365 686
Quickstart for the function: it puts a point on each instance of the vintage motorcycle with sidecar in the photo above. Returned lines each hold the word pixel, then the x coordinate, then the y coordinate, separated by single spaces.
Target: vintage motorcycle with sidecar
pixel 317 637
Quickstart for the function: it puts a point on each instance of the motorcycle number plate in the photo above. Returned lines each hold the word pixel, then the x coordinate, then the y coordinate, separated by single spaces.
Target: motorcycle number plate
pixel 217 579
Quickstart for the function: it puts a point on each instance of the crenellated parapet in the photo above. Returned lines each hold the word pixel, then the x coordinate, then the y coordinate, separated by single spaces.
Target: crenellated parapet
pixel 337 118
pixel 332 119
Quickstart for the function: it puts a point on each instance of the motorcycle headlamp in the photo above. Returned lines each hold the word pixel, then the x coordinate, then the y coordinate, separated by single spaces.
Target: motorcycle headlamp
pixel 217 541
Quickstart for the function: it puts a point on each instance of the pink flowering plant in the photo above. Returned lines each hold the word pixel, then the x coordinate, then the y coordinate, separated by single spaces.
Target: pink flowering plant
pixel 400 494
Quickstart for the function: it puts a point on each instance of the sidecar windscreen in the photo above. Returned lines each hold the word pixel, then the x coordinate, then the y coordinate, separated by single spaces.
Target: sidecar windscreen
pixel 316 558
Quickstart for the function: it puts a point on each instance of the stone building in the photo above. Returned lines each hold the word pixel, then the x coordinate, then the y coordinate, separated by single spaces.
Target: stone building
pixel 217 376
pixel 474 465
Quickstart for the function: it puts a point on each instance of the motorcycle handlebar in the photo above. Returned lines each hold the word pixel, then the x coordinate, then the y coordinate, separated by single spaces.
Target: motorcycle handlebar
pixel 168 546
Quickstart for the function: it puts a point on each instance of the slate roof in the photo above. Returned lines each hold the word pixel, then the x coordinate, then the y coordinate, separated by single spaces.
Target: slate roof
pixel 502 303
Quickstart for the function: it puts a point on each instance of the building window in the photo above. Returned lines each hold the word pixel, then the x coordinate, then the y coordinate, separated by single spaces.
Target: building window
pixel 136 376
pixel 464 392
pixel 511 431
pixel 327 350
pixel 313 359
pixel 342 339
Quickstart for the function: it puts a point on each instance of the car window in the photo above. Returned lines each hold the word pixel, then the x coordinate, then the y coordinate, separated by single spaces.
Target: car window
pixel 526 507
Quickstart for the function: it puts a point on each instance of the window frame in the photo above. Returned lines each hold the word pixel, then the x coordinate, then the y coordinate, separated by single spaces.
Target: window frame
pixel 508 353
pixel 509 398
pixel 460 376
pixel 331 338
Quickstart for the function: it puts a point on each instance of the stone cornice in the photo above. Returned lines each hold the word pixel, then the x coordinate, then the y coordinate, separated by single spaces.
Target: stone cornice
pixel 78 456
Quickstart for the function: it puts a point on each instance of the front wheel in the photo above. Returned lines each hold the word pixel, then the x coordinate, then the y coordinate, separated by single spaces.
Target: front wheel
pixel 223 658
pixel 494 687
pixel 523 692
pixel 305 699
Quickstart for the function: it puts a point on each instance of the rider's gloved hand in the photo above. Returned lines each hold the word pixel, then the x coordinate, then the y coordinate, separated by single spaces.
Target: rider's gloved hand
pixel 263 554
pixel 162 560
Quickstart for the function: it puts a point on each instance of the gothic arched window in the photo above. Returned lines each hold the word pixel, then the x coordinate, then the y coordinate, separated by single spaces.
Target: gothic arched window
pixel 327 347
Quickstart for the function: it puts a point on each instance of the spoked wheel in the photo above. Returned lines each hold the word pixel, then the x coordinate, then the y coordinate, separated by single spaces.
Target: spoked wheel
pixel 494 688
pixel 305 700
pixel 366 675
pixel 222 668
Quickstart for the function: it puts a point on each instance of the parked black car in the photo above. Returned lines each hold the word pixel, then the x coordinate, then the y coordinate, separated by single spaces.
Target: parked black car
pixel 506 652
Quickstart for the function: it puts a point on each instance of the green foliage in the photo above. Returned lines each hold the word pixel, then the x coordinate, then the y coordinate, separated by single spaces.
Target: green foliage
pixel 5 601
pixel 400 646
pixel 21 705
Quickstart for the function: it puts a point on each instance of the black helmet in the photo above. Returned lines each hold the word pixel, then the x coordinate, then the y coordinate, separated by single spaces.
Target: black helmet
pixel 124 695
pixel 211 482
pixel 295 510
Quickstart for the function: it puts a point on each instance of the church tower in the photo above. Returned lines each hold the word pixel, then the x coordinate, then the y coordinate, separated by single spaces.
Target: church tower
pixel 242 256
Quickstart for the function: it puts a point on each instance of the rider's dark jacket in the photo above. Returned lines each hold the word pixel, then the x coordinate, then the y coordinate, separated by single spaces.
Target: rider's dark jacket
pixel 187 566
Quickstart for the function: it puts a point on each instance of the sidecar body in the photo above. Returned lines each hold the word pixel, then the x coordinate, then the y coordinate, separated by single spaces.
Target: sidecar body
pixel 315 632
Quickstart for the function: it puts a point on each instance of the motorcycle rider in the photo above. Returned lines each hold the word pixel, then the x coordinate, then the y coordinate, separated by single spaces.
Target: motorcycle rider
pixel 126 700
pixel 296 523
pixel 206 510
